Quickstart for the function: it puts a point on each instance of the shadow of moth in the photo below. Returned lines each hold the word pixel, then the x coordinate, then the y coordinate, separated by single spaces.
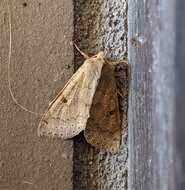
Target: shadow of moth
pixel 89 103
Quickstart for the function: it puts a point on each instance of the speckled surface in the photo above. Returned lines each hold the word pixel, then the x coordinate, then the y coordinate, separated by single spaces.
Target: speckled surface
pixel 113 27
pixel 101 25
pixel 42 62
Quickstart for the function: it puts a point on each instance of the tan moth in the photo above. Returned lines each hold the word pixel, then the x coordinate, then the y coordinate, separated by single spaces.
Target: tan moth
pixel 103 128
pixel 89 103
pixel 68 113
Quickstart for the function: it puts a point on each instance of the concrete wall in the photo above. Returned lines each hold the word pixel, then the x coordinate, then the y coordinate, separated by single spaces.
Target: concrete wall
pixel 41 63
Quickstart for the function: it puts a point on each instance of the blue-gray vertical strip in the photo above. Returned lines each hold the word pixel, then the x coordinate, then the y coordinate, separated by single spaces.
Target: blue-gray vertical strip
pixel 180 97
pixel 151 120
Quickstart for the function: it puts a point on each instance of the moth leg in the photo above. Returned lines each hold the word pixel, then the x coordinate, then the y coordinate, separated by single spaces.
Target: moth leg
pixel 124 61
pixel 81 52
pixel 119 93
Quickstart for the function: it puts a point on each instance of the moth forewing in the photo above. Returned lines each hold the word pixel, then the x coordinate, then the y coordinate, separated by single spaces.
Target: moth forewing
pixel 67 114
pixel 103 128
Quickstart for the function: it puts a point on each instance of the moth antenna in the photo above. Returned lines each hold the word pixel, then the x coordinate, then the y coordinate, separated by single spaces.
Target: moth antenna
pixel 81 52
pixel 9 63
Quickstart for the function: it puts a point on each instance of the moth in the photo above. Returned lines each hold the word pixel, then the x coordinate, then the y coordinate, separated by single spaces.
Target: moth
pixel 89 103
pixel 103 129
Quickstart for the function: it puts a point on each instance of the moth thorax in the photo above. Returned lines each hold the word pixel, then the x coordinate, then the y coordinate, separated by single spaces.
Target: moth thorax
pixel 101 54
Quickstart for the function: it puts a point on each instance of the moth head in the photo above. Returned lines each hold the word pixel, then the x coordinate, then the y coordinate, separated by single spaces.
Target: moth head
pixel 101 54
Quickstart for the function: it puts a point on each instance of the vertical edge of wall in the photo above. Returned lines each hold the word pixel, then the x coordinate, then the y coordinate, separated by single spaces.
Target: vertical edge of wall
pixel 99 25
pixel 41 63
pixel 151 50
pixel 180 90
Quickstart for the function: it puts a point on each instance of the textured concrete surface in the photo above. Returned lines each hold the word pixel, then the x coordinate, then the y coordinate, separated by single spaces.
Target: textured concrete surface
pixel 101 25
pixel 42 61
pixel 113 36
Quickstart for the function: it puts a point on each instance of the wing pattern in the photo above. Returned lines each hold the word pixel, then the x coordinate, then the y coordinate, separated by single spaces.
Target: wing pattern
pixel 68 113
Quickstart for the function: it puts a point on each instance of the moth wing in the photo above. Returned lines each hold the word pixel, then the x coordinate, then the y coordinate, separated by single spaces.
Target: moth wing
pixel 104 127
pixel 68 113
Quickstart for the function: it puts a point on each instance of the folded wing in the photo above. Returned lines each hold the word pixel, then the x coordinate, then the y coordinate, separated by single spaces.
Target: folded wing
pixel 68 113
pixel 104 127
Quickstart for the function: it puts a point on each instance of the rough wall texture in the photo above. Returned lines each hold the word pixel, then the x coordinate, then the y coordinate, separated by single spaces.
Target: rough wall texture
pixel 101 25
pixel 42 61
